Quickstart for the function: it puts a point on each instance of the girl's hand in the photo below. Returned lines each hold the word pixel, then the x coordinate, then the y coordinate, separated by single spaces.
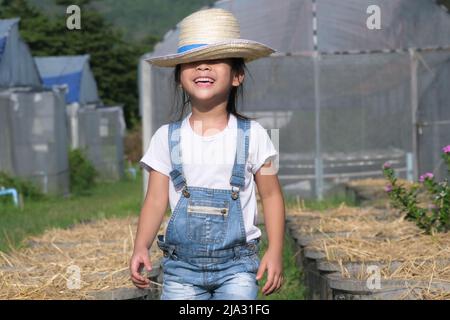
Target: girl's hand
pixel 272 262
pixel 139 260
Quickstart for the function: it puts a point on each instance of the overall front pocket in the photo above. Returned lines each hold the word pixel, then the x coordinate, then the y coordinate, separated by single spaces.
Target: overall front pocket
pixel 207 220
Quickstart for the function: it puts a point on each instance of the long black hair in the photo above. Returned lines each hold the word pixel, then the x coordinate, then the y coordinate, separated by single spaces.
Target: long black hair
pixel 182 98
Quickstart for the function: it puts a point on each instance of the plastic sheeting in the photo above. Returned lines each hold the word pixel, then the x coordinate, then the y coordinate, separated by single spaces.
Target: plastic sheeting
pixel 433 116
pixel 33 138
pixel 287 25
pixel 17 67
pixel 100 133
pixel 74 72
pixel 362 98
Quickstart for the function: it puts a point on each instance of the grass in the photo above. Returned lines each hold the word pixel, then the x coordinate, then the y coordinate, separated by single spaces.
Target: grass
pixel 312 204
pixel 293 288
pixel 115 199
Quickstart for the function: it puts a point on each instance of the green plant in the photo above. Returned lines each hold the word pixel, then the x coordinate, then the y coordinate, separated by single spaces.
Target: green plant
pixel 107 200
pixel 82 173
pixel 26 188
pixel 434 217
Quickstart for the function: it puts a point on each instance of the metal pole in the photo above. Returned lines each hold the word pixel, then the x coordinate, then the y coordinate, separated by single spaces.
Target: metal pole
pixel 44 180
pixel 72 110
pixel 145 101
pixel 318 166
pixel 318 158
pixel 410 166
pixel 414 109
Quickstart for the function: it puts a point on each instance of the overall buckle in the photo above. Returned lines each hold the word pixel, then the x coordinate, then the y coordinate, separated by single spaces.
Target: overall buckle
pixel 185 192
pixel 234 192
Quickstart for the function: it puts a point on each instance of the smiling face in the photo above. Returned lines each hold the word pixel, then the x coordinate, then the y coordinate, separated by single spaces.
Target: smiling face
pixel 209 80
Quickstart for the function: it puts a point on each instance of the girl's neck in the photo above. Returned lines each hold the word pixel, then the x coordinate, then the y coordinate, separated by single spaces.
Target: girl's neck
pixel 211 120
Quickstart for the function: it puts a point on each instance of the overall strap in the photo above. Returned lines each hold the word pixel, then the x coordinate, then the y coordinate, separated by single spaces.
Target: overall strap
pixel 237 179
pixel 176 174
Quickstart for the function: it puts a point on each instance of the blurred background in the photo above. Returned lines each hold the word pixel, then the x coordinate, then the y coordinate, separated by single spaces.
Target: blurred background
pixel 79 107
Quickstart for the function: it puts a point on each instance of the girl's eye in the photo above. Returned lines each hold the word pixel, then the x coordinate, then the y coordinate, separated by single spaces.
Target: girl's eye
pixel 216 61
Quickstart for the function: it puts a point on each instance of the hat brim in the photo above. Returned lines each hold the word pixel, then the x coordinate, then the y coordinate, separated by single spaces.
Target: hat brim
pixel 240 48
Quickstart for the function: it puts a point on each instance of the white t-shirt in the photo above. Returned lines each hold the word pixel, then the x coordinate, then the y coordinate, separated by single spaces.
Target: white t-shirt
pixel 208 162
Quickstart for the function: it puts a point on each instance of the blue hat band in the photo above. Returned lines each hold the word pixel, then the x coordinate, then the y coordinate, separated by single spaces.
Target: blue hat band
pixel 190 47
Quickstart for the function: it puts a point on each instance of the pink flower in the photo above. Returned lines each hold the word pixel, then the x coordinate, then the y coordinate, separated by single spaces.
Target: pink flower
pixel 446 149
pixel 388 188
pixel 386 165
pixel 425 176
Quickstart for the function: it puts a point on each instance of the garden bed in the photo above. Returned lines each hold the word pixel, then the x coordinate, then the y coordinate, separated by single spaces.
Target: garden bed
pixel 336 246
pixel 98 252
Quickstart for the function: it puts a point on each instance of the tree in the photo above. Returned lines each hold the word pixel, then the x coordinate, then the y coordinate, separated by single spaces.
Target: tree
pixel 113 61
pixel 445 3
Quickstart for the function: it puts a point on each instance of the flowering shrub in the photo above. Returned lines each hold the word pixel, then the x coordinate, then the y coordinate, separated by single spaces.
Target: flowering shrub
pixel 434 217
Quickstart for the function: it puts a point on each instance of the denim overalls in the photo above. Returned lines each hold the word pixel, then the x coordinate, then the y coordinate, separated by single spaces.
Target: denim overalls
pixel 206 255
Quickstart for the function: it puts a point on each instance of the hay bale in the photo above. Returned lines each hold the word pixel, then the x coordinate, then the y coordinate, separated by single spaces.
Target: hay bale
pixel 48 268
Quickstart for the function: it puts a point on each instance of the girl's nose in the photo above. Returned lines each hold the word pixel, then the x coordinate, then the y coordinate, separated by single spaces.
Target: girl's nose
pixel 203 66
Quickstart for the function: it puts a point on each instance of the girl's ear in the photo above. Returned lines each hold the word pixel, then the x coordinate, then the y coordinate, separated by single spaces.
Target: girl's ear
pixel 238 79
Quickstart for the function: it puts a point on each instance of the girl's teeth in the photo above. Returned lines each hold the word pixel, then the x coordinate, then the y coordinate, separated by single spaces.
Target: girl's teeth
pixel 205 81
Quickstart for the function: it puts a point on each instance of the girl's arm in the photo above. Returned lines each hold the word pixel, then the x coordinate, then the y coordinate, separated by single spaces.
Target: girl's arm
pixel 274 216
pixel 152 214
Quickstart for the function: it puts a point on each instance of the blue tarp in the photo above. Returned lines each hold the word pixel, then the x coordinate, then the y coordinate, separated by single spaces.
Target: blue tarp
pixel 72 80
pixel 2 46
pixel 73 72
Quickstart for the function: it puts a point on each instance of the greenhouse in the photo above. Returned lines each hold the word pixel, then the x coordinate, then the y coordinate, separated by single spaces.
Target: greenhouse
pixel 339 96
pixel 96 129
pixel 33 131
pixel 101 132
pixel 17 67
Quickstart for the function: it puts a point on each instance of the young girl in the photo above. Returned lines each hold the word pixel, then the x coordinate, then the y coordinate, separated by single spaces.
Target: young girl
pixel 206 164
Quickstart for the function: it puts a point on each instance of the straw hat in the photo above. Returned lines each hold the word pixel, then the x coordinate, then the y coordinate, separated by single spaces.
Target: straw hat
pixel 211 34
